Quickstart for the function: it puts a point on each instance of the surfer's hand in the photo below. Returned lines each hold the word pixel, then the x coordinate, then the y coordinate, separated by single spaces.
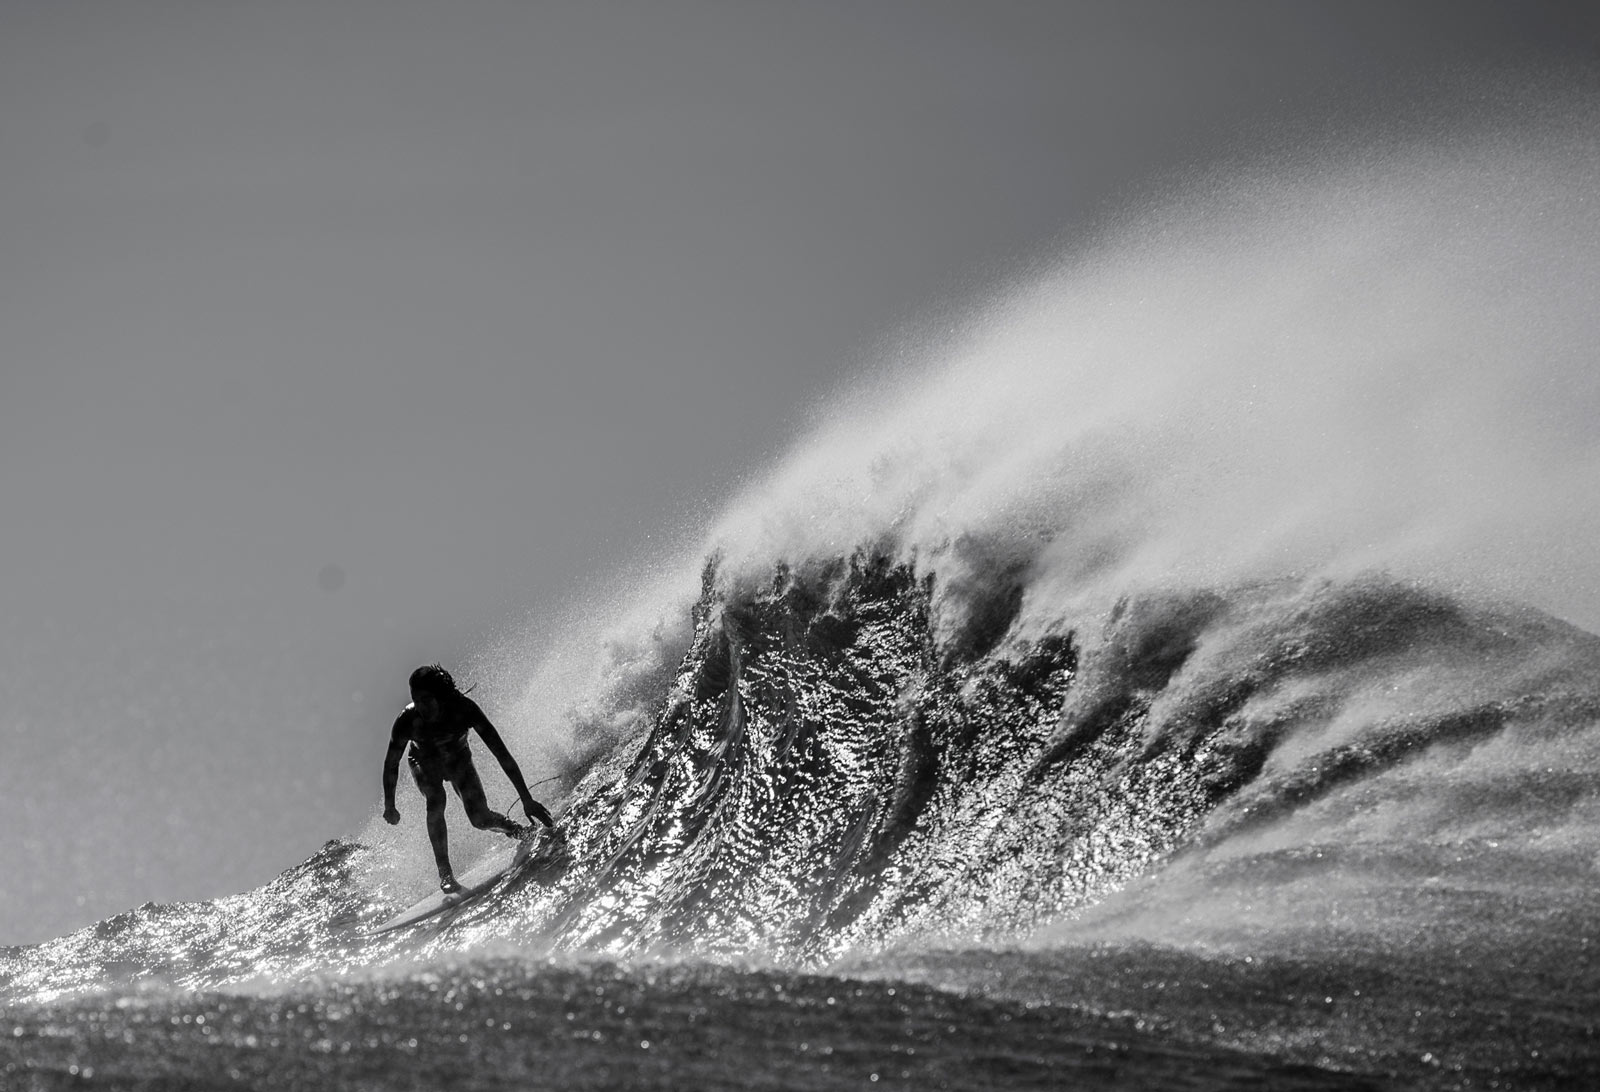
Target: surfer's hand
pixel 391 815
pixel 536 812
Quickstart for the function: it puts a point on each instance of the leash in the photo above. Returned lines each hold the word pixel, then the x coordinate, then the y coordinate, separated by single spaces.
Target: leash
pixel 515 801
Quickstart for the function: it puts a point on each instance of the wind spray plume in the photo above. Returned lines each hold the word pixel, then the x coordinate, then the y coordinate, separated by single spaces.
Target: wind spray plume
pixel 1381 365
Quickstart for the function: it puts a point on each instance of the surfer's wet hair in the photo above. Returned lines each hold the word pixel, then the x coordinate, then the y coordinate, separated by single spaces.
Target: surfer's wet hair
pixel 433 679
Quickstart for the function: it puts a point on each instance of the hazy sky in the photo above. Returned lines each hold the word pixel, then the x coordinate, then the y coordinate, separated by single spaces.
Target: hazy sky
pixel 336 337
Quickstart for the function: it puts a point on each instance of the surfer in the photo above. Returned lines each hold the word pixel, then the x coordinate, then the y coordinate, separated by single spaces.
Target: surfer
pixel 435 726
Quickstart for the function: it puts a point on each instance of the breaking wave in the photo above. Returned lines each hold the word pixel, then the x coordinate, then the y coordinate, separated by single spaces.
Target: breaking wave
pixel 1210 588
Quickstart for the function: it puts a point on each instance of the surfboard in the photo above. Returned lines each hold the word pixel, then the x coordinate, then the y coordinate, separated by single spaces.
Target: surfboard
pixel 476 881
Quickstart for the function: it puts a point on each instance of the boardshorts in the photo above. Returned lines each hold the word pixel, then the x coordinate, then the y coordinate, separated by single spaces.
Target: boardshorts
pixel 433 767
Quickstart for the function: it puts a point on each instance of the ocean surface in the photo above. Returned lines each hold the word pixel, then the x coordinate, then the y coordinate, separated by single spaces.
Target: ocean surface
pixel 1163 685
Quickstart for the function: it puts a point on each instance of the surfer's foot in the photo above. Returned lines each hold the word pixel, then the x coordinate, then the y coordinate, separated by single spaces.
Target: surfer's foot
pixel 449 886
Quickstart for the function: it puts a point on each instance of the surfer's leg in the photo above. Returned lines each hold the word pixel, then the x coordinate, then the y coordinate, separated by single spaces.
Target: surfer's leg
pixel 433 794
pixel 465 778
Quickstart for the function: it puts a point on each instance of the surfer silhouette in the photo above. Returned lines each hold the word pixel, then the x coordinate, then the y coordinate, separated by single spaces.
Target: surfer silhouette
pixel 435 727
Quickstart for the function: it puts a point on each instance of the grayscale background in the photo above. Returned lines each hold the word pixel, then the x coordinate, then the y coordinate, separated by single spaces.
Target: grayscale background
pixel 336 337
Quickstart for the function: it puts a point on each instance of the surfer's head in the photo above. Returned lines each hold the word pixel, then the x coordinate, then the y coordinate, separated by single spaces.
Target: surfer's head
pixel 431 679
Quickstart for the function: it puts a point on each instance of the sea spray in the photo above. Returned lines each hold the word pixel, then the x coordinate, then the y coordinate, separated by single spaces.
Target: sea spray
pixel 1388 364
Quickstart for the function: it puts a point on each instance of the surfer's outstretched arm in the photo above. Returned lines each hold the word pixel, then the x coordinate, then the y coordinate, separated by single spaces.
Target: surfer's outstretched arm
pixel 497 747
pixel 398 738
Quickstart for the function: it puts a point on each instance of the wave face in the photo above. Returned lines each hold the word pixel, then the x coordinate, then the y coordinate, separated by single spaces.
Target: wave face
pixel 837 771
pixel 1169 626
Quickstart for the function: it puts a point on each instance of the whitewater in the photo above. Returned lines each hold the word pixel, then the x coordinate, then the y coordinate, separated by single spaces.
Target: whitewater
pixel 1175 670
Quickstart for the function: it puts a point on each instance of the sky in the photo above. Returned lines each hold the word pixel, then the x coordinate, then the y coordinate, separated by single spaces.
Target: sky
pixel 339 337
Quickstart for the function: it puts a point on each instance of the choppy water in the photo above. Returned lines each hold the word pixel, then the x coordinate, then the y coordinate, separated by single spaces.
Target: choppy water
pixel 1135 702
